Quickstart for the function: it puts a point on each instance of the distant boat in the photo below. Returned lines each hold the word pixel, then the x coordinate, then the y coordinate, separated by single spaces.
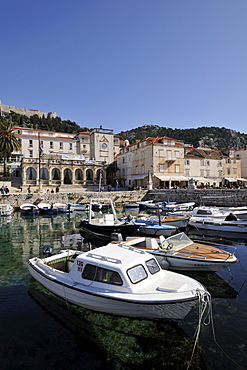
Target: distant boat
pixel 47 209
pixel 173 207
pixel 62 207
pixel 6 209
pixel 212 224
pixel 78 206
pixel 173 220
pixel 28 209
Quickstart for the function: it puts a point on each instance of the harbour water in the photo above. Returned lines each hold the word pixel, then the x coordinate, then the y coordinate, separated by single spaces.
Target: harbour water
pixel 40 331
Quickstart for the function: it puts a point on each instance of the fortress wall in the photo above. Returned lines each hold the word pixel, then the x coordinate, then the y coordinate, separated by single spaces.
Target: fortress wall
pixel 25 111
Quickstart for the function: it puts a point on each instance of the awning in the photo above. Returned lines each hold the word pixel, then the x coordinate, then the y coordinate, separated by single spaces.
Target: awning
pixel 241 179
pixel 204 180
pixel 138 177
pixel 231 179
pixel 172 178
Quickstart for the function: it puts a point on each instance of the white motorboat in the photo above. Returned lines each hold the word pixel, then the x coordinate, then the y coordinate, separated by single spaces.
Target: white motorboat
pixel 29 209
pixel 179 252
pixel 214 212
pixel 78 206
pixel 118 280
pixel 208 223
pixel 174 207
pixel 6 209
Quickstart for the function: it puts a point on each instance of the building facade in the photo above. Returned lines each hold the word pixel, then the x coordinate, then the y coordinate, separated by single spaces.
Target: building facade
pixel 53 159
pixel 168 163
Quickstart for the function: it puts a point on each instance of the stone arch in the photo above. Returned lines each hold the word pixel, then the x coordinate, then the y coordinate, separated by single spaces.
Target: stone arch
pixel 78 174
pixel 98 173
pixel 31 173
pixel 44 174
pixel 67 176
pixel 55 174
pixel 89 175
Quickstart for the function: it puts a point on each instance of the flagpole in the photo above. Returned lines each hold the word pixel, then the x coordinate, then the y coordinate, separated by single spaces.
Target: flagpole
pixel 99 180
pixel 39 149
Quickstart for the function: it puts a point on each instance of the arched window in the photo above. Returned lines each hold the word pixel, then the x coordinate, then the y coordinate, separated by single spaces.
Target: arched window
pixel 44 174
pixel 98 174
pixel 89 174
pixel 31 173
pixel 67 176
pixel 78 174
pixel 55 174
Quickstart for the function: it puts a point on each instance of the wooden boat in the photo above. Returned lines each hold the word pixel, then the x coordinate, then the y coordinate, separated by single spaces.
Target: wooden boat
pixel 179 252
pixel 29 209
pixel 118 280
pixel 208 223
pixel 6 209
pixel 108 223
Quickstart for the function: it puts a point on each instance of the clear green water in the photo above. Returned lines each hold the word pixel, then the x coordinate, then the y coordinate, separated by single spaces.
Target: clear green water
pixel 40 331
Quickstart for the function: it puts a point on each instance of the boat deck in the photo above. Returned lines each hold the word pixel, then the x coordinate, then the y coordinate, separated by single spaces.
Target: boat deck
pixel 204 251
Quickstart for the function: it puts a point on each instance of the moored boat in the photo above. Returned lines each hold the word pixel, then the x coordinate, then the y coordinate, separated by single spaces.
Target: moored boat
pixel 47 209
pixel 108 223
pixel 6 209
pixel 179 252
pixel 118 280
pixel 28 209
pixel 209 223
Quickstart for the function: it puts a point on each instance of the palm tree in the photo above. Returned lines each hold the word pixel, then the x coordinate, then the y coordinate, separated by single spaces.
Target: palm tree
pixel 8 142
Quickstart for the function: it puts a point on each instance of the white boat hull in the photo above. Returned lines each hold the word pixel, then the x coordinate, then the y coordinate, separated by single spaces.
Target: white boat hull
pixel 219 225
pixel 134 307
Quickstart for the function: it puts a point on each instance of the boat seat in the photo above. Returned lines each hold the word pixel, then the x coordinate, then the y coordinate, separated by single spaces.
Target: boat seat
pixel 109 219
pixel 152 243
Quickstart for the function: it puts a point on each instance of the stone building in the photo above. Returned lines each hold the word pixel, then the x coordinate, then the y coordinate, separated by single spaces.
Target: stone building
pixel 160 158
pixel 171 163
pixel 55 159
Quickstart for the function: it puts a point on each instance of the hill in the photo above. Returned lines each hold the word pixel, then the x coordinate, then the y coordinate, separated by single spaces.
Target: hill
pixel 218 137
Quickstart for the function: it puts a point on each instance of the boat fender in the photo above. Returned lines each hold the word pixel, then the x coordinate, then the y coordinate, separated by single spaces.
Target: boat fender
pixel 164 264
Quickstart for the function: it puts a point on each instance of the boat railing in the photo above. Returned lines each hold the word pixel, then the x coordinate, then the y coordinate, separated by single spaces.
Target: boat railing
pixel 104 258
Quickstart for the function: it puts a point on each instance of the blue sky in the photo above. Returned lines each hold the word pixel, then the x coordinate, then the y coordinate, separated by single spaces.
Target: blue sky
pixel 125 63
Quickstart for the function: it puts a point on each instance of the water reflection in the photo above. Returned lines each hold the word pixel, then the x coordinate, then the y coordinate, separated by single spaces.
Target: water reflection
pixel 125 343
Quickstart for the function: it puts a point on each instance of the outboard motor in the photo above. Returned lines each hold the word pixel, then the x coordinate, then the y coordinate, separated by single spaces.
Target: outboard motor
pixel 47 250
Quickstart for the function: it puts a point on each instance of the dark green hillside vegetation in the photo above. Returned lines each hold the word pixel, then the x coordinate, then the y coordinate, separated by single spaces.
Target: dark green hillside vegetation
pixel 218 137
pixel 38 123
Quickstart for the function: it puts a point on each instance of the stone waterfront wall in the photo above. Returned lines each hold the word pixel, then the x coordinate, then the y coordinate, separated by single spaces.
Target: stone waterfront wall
pixel 215 197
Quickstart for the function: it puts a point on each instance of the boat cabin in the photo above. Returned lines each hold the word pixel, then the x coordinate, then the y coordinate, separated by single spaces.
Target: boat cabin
pixel 110 267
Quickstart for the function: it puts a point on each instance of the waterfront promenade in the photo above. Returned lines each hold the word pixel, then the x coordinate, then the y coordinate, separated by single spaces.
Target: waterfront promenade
pixel 215 197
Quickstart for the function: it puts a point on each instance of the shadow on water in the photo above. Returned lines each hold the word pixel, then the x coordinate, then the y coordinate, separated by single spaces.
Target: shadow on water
pixel 123 342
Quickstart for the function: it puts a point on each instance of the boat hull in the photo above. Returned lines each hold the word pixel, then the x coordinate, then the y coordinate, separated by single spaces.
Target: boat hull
pixel 157 230
pixel 124 229
pixel 135 307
